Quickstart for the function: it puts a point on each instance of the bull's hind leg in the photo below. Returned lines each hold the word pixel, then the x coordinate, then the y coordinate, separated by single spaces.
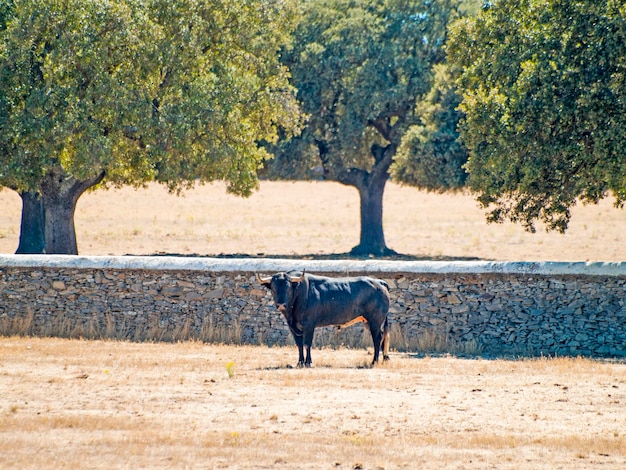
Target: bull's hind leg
pixel 377 339
pixel 386 337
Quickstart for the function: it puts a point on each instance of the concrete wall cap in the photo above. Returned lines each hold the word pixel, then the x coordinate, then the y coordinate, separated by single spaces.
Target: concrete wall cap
pixel 270 265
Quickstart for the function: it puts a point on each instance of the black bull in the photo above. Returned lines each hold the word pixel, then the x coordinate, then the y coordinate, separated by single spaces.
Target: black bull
pixel 308 301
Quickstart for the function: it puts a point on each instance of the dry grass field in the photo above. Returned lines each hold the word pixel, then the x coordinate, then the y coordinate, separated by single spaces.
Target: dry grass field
pixel 317 219
pixel 91 404
pixel 106 404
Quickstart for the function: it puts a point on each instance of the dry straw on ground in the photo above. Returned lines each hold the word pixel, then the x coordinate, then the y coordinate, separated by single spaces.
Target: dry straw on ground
pixel 317 218
pixel 93 404
pixel 107 404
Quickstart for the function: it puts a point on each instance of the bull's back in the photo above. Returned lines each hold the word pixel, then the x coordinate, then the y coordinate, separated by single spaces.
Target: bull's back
pixel 334 301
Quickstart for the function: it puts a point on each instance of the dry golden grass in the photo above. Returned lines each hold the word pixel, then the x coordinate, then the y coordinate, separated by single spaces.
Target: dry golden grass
pixel 98 404
pixel 317 218
pixel 106 404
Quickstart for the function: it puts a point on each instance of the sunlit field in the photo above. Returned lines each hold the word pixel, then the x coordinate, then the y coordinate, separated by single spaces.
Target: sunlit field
pixel 317 219
pixel 93 404
pixel 107 404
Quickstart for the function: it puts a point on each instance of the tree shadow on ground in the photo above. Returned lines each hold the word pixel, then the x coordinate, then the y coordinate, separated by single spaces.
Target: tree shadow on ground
pixel 323 256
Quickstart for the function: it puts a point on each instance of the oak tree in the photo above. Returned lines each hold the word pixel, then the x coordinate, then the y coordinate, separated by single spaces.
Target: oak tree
pixel 544 102
pixel 359 68
pixel 122 92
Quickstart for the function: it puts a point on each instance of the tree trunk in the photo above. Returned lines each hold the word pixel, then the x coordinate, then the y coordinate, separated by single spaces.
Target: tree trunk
pixel 60 230
pixel 60 193
pixel 371 187
pixel 372 239
pixel 32 235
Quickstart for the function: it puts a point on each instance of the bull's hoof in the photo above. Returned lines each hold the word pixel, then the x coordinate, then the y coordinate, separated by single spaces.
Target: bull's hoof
pixel 376 361
pixel 300 365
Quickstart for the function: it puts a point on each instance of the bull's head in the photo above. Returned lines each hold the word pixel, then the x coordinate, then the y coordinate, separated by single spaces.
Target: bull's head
pixel 282 286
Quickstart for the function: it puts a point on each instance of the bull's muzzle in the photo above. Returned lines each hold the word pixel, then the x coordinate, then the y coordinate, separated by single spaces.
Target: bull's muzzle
pixel 281 307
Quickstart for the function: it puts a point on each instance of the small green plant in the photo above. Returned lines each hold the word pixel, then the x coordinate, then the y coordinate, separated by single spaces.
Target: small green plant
pixel 230 368
pixel 233 439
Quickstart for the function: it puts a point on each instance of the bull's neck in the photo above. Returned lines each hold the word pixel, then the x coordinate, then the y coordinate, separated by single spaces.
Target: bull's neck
pixel 299 298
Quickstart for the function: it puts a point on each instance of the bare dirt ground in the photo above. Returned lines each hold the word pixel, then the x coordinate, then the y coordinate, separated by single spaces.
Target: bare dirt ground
pixel 317 219
pixel 93 404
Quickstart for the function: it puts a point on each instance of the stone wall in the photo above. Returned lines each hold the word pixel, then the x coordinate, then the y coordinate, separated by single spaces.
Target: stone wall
pixel 460 307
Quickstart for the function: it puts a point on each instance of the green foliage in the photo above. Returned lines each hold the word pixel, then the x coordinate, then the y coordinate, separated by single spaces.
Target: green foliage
pixel 359 68
pixel 6 10
pixel 470 7
pixel 431 155
pixel 128 91
pixel 70 76
pixel 221 88
pixel 543 94
pixel 173 90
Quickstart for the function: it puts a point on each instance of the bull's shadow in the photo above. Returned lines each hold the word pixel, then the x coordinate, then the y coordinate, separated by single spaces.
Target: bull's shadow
pixel 324 366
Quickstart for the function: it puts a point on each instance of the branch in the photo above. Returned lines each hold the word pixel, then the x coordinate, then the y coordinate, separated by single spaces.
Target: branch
pixel 58 184
pixel 350 176
pixel 79 187
pixel 353 177
pixel 383 157
pixel 322 151
pixel 383 126
pixel 383 123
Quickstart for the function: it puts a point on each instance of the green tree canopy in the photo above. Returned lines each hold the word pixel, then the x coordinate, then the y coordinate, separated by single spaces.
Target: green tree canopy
pixel 127 91
pixel 431 155
pixel 544 97
pixel 359 68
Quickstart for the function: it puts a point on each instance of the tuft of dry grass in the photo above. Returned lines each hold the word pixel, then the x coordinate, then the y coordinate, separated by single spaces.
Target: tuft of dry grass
pixel 103 404
pixel 317 219
pixel 154 329
pixel 430 341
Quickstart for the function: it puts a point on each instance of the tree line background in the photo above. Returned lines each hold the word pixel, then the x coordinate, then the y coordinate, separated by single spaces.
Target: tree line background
pixel 522 102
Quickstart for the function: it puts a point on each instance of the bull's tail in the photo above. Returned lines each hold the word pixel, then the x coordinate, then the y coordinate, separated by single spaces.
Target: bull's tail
pixel 385 342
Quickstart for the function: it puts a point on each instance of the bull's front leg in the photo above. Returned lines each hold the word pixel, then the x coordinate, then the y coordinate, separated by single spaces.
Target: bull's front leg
pixel 300 352
pixel 308 342
pixel 298 338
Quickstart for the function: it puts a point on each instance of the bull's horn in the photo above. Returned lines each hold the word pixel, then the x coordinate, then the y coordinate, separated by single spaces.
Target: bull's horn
pixel 262 279
pixel 297 278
